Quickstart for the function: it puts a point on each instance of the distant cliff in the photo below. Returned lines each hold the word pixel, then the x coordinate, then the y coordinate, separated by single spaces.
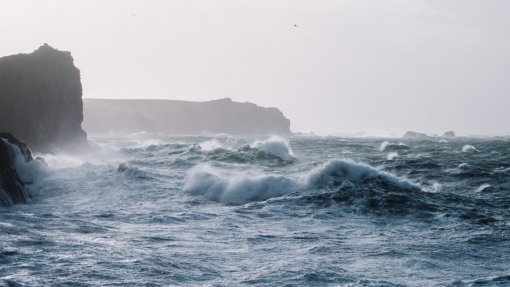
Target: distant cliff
pixel 182 117
pixel 40 99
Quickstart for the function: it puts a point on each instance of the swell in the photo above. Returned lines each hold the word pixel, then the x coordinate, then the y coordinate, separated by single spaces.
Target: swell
pixel 235 186
pixel 352 186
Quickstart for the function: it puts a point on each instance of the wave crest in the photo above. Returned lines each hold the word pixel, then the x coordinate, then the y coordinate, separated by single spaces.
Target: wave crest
pixel 277 146
pixel 469 148
pixel 239 187
pixel 386 145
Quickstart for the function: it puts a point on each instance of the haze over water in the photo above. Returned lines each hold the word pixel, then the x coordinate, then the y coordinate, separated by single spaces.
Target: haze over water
pixel 331 66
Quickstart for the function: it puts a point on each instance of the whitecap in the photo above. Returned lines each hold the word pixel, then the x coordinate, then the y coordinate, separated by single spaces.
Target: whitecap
pixel 386 145
pixel 275 145
pixel 242 186
pixel 483 187
pixel 468 148
pixel 436 187
pixel 392 156
pixel 211 145
pixel 383 145
pixel 236 187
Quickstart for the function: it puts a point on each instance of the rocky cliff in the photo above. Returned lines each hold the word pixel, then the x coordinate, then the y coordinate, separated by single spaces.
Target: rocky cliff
pixel 40 99
pixel 182 117
pixel 12 187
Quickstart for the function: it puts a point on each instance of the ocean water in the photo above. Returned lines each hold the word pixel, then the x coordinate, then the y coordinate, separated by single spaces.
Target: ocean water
pixel 154 210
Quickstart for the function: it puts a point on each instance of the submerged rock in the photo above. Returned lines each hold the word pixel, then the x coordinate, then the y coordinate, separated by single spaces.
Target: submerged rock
pixel 12 188
pixel 41 99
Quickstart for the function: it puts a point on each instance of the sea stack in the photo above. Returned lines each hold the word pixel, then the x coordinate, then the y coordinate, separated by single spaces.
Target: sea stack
pixel 41 99
pixel 12 187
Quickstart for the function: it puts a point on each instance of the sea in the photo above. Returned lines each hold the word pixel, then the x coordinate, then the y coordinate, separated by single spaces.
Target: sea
pixel 219 210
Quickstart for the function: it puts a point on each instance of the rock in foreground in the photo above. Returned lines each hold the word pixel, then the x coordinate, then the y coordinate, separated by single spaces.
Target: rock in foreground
pixel 12 188
pixel 41 99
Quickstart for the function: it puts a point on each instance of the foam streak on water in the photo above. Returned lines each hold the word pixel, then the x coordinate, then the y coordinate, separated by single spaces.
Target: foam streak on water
pixel 147 210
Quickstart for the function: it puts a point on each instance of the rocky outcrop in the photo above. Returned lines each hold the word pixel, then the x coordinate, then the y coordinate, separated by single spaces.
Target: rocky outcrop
pixel 12 188
pixel 414 135
pixel 41 99
pixel 182 117
pixel 449 134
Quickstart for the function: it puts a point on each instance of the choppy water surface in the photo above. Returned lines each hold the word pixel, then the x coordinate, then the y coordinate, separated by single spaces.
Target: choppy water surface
pixel 150 210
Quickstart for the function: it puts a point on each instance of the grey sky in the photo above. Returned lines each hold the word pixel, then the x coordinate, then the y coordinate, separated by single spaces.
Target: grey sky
pixel 377 66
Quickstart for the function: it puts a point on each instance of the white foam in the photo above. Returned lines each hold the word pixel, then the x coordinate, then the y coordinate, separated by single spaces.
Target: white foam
pixel 211 145
pixel 483 187
pixel 59 161
pixel 145 143
pixel 386 145
pixel 275 145
pixel 392 156
pixel 436 187
pixel 237 187
pixel 242 186
pixel 468 148
pixel 337 171
pixel 383 146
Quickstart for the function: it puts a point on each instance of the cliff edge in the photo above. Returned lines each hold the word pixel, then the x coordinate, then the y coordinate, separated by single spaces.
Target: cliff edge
pixel 41 99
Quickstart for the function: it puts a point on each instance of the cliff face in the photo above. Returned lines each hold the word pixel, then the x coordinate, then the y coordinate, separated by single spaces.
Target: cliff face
pixel 40 99
pixel 182 117
pixel 12 188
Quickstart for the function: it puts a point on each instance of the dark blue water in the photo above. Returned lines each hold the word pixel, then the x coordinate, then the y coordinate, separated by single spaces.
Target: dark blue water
pixel 149 210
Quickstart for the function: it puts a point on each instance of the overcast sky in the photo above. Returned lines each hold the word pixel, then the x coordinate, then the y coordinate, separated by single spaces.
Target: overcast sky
pixel 377 66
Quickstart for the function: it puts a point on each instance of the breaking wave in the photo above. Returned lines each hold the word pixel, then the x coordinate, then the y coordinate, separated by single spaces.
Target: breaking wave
pixel 468 148
pixel 387 146
pixel 392 156
pixel 242 186
pixel 277 146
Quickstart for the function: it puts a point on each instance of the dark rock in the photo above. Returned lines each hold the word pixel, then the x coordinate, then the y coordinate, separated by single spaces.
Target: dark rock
pixel 12 188
pixel 182 117
pixel 449 134
pixel 41 99
pixel 411 134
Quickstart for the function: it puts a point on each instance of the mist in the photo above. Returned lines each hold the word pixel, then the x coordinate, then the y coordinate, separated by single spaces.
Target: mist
pixel 330 66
